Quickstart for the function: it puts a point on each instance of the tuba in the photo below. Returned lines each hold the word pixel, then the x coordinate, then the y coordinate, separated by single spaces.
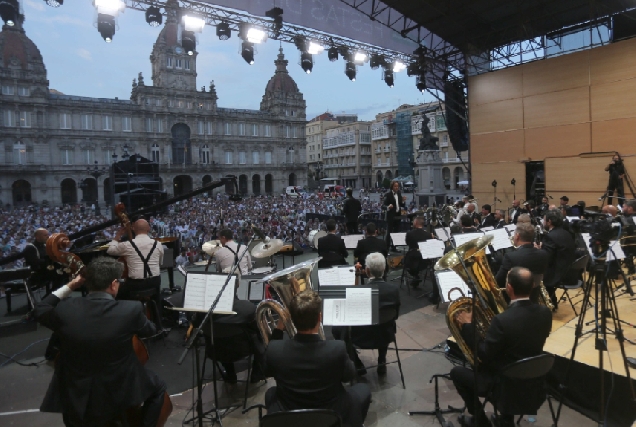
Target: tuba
pixel 489 302
pixel 283 286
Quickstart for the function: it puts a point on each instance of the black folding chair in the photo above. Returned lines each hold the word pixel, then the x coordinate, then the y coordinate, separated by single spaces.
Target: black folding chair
pixel 573 279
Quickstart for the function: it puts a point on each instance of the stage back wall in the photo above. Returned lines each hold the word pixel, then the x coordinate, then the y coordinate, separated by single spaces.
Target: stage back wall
pixel 558 111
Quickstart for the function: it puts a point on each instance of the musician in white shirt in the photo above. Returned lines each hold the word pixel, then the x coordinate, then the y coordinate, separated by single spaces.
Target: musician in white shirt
pixel 225 256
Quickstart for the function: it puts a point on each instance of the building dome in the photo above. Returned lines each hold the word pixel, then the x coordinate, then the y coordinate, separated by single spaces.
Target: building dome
pixel 18 50
pixel 168 35
pixel 281 81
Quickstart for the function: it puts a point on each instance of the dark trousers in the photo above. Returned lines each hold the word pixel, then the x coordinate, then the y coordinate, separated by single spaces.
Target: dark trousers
pixel 341 333
pixel 352 408
pixel 620 192
pixel 392 226
pixel 130 290
pixel 150 411
pixel 352 227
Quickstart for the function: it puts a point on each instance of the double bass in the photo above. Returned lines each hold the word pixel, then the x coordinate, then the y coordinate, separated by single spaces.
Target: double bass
pixel 56 247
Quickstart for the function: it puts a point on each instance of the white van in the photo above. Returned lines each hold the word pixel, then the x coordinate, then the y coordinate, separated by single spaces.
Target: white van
pixel 293 192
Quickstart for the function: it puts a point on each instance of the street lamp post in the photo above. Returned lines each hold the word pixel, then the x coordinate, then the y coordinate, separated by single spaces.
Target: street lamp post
pixel 96 172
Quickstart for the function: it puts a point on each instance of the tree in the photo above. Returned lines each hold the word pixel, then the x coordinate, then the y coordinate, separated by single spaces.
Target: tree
pixel 386 183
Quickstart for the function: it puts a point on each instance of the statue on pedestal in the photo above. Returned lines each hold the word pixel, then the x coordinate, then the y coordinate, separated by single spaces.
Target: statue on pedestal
pixel 428 142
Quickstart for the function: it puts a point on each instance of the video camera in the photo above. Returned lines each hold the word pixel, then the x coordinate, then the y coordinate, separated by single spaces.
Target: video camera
pixel 600 226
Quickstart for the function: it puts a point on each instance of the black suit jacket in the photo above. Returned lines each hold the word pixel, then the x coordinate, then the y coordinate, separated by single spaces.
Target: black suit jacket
pixel 389 199
pixel 500 224
pixel 514 215
pixel 416 235
pixel 309 372
pixel 488 221
pixel 351 209
pixel 373 335
pixel 332 250
pixel 369 245
pixel 97 373
pixel 560 247
pixel 526 256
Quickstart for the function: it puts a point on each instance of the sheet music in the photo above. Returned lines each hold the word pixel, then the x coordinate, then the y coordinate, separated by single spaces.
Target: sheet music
pixel 500 240
pixel 573 218
pixel 351 241
pixel 201 291
pixel 256 291
pixel 511 228
pixel 337 276
pixel 616 247
pixel 448 280
pixel 333 311
pixel 460 239
pixel 431 249
pixel 358 306
pixel 484 229
pixel 399 239
pixel 439 232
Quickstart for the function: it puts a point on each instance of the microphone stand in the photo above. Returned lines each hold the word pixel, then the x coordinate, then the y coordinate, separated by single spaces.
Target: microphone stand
pixel 194 338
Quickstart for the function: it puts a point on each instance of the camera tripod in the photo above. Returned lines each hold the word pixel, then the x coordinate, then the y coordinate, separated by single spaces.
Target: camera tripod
pixel 605 302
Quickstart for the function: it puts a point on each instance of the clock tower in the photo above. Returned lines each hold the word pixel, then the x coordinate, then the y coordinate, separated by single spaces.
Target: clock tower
pixel 172 67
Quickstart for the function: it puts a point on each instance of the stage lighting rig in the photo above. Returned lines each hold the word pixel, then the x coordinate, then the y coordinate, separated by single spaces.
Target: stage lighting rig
pixel 315 48
pixel 54 3
pixel 9 10
pixel 276 14
pixel 350 71
pixel 247 52
pixel 360 57
pixel 398 66
pixel 192 24
pixel 107 13
pixel 332 53
pixel 307 62
pixel 153 16
pixel 388 76
pixel 252 34
pixel 223 31
pixel 188 41
pixel 420 82
pixel 376 61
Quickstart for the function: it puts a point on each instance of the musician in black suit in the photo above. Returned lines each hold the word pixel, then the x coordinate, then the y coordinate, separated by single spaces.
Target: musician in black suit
pixel 374 335
pixel 560 247
pixel 394 203
pixel 370 244
pixel 516 211
pixel 351 209
pixel 309 372
pixel 97 375
pixel 413 261
pixel 467 225
pixel 527 256
pixel 500 218
pixel 487 217
pixel 332 248
pixel 517 333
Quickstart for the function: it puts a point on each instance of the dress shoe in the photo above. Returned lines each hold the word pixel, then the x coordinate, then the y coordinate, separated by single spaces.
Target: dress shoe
pixel 382 370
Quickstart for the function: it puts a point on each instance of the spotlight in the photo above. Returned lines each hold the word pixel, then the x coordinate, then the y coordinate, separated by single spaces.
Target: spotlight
pixel 306 62
pixel 376 61
pixel 54 3
pixel 247 52
pixel 388 77
pixel 9 11
pixel 109 7
pixel 193 23
pixel 332 53
pixel 420 82
pixel 188 41
pixel 276 14
pixel 413 69
pixel 252 34
pixel 223 31
pixel 350 71
pixel 398 66
pixel 106 26
pixel 360 57
pixel 315 48
pixel 153 16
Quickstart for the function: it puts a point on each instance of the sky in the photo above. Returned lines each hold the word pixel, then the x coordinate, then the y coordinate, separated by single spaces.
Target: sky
pixel 79 62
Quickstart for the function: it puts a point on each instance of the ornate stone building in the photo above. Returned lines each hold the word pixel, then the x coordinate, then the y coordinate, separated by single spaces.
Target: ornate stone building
pixel 47 140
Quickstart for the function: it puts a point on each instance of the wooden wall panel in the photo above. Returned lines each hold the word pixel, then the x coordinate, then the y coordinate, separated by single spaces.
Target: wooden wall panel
pixel 616 61
pixel 557 141
pixel 557 108
pixel 496 117
pixel 615 100
pixel 615 135
pixel 497 146
pixel 560 73
pixel 483 175
pixel 576 174
pixel 492 87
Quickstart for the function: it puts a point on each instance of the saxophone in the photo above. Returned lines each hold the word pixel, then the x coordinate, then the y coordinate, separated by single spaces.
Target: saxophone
pixel 489 300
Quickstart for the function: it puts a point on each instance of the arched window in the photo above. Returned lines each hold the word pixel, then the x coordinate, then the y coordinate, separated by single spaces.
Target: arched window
pixel 19 153
pixel 204 155
pixel 155 153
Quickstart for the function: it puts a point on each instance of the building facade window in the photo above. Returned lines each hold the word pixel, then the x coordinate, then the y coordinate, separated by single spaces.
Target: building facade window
pixel 8 118
pixel 8 90
pixel 228 157
pixel 169 62
pixel 87 121
pixel 287 131
pixel 254 130
pixel 242 157
pixel 19 153
pixel 67 156
pixel 23 91
pixel 268 157
pixel 154 153
pixel 25 119
pixel 255 157
pixel 159 125
pixel 126 124
pixel 89 156
pixel 268 130
pixel 108 156
pixel 241 129
pixel 148 124
pixel 186 64
pixel 178 62
pixel 107 122
pixel 65 121
pixel 228 128
pixel 205 155
pixel 209 128
pixel 201 127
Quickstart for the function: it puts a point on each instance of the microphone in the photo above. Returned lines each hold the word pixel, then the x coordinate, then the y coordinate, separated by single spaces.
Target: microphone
pixel 260 233
pixel 550 197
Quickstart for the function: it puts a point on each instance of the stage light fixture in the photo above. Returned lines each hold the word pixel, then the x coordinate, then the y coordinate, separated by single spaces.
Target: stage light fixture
pixel 252 34
pixel 193 23
pixel 106 26
pixel 360 57
pixel 350 71
pixel 153 16
pixel 398 66
pixel 223 31
pixel 315 48
pixel 276 14
pixel 332 53
pixel 306 62
pixel 376 61
pixel 388 77
pixel 247 52
pixel 188 41
pixel 54 3
pixel 9 11
pixel 109 7
pixel 413 69
pixel 420 82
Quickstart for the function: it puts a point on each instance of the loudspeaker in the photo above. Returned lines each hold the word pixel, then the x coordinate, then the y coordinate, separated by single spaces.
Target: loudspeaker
pixel 456 115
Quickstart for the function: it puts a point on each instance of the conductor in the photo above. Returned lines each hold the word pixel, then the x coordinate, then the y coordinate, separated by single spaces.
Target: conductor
pixel 394 203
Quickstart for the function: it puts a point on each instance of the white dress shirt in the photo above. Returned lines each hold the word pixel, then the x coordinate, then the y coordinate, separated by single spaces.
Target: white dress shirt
pixel 225 258
pixel 134 263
